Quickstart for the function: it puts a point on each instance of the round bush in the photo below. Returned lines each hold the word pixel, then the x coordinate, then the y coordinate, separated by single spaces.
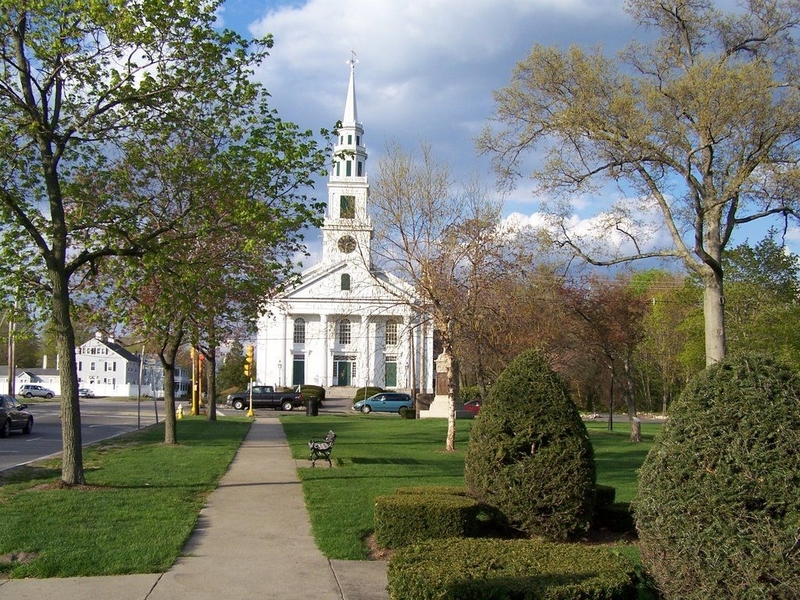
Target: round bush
pixel 718 508
pixel 529 454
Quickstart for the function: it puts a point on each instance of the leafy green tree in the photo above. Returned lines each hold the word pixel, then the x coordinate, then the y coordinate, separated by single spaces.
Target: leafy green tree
pixel 231 372
pixel 666 334
pixel 212 270
pixel 78 81
pixel 700 124
pixel 762 307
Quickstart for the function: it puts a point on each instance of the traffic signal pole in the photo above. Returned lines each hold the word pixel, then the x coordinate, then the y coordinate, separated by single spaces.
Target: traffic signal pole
pixel 248 370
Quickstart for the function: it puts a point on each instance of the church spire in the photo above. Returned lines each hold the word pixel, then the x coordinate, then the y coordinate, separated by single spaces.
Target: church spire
pixel 350 112
pixel 347 229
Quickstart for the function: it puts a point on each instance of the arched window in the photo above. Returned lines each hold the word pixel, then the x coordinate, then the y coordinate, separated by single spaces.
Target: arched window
pixel 344 331
pixel 391 333
pixel 345 281
pixel 299 331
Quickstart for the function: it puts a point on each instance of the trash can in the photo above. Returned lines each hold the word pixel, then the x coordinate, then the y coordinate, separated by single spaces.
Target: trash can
pixel 312 406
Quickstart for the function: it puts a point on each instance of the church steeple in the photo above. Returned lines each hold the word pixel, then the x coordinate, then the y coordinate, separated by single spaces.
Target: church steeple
pixel 347 230
pixel 350 117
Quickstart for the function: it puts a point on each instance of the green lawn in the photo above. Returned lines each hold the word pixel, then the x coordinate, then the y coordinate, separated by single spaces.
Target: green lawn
pixel 376 454
pixel 142 498
pixel 137 510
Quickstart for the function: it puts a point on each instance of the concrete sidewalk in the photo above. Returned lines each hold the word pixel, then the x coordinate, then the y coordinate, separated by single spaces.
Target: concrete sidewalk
pixel 252 541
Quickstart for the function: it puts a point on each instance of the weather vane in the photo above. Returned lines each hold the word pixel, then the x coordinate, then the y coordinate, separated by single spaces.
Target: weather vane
pixel 353 60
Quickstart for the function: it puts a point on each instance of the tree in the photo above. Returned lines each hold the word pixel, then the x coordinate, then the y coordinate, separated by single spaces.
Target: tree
pixel 78 81
pixel 444 241
pixel 210 273
pixel 761 305
pixel 701 124
pixel 231 372
pixel 613 314
pixel 673 300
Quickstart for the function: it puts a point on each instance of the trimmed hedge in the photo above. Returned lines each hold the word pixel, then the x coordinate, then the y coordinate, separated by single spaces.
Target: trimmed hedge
pixel 718 508
pixel 313 391
pixel 529 453
pixel 417 515
pixel 479 569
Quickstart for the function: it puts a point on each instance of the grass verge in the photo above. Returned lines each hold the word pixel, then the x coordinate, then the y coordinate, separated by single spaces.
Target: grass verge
pixel 135 514
pixel 376 454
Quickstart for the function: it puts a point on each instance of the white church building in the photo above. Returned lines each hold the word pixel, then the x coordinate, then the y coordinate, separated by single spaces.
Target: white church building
pixel 346 323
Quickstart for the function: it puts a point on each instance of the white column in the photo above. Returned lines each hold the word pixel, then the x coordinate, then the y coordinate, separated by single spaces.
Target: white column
pixel 325 358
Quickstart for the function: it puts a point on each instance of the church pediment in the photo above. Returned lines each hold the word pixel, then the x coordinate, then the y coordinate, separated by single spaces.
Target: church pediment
pixel 349 280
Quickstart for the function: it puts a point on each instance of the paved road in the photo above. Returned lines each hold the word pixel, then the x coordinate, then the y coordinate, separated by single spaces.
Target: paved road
pixel 100 419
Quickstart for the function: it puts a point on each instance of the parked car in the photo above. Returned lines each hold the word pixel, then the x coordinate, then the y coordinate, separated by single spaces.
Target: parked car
pixel 85 393
pixel 384 402
pixel 473 406
pixel 14 416
pixel 29 390
pixel 265 396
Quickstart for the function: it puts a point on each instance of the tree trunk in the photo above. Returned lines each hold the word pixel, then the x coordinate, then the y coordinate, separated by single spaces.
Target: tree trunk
pixel 452 386
pixel 630 402
pixel 211 384
pixel 72 445
pixel 714 311
pixel 167 355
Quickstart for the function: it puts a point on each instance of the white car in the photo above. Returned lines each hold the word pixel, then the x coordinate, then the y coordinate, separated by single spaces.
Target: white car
pixel 30 390
pixel 85 393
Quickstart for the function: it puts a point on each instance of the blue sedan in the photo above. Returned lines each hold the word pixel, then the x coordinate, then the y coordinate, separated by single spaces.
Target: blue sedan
pixel 392 402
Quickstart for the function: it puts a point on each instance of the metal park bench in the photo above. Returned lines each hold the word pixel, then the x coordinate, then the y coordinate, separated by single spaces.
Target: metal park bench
pixel 321 449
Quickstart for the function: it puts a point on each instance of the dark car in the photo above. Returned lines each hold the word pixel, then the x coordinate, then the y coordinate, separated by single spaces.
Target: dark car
pixel 473 406
pixel 265 396
pixel 384 402
pixel 14 416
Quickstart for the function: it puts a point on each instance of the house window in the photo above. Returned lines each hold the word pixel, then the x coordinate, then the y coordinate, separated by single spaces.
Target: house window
pixel 91 366
pixel 391 333
pixel 349 169
pixel 347 206
pixel 299 331
pixel 349 139
pixel 345 282
pixel 343 333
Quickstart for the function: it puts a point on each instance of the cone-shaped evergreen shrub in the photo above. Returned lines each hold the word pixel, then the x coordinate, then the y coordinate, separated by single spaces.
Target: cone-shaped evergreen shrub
pixel 718 508
pixel 529 454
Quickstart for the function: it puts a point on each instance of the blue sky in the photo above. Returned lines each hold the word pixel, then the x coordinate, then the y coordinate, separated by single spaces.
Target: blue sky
pixel 426 70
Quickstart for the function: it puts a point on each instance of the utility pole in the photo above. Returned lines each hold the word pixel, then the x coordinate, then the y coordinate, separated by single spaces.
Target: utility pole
pixel 12 352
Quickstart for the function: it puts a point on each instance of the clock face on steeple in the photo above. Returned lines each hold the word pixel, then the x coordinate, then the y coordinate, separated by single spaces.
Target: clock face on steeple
pixel 347 244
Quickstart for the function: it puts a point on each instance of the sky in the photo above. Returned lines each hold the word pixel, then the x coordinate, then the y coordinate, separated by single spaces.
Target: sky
pixel 426 70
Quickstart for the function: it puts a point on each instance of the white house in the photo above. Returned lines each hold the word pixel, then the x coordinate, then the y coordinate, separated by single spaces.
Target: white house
pixel 47 377
pixel 347 323
pixel 108 369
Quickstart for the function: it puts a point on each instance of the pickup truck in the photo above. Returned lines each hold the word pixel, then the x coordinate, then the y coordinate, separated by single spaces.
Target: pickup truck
pixel 265 396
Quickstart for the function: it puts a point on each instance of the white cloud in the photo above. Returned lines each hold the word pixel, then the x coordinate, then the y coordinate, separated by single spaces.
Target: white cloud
pixel 427 70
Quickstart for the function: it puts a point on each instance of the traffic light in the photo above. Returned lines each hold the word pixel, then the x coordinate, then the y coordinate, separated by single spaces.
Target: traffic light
pixel 248 362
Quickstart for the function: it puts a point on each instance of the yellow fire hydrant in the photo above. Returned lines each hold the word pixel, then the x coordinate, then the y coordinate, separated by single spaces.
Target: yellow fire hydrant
pixel 180 411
